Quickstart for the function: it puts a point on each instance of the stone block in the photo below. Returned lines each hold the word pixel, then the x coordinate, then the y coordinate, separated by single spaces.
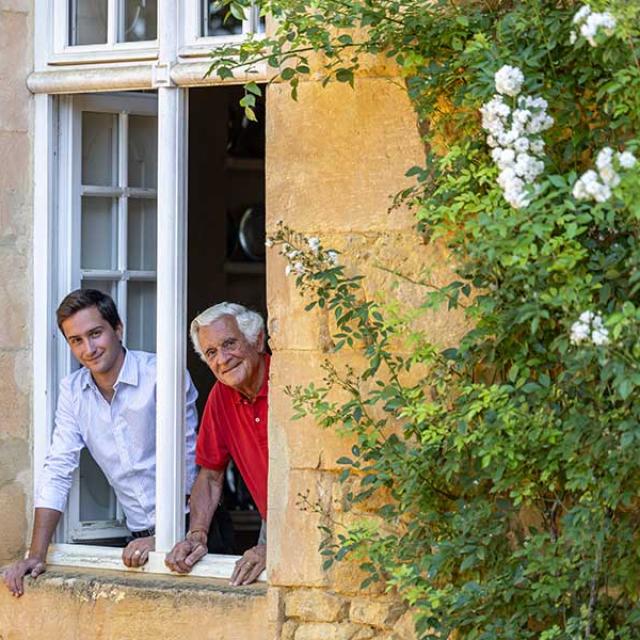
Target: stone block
pixel 15 39
pixel 326 631
pixel 312 605
pixel 14 393
pixel 14 459
pixel 16 191
pixel 294 534
pixel 405 627
pixel 14 527
pixel 340 176
pixel 21 6
pixel 15 305
pixel 288 630
pixel 365 633
pixel 378 613
pixel 307 445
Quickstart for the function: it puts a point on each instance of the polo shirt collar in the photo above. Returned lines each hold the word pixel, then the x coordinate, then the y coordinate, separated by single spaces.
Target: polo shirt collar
pixel 264 389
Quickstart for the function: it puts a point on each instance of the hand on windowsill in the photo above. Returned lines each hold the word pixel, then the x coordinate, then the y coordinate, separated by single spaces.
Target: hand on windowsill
pixel 136 553
pixel 250 566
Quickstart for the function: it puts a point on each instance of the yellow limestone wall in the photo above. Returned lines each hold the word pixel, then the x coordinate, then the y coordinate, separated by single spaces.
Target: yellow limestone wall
pixel 334 159
pixel 16 125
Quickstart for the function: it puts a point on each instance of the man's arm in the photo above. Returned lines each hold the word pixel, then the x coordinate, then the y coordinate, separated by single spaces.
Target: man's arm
pixel 45 523
pixel 205 497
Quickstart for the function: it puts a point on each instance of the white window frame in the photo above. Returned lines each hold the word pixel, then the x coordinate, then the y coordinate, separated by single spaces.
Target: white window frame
pixel 64 53
pixel 69 224
pixel 52 264
pixel 193 44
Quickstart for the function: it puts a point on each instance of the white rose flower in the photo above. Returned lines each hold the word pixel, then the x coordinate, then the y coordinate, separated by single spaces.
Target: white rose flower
pixel 509 80
pixel 626 159
pixel 332 257
pixel 287 270
pixel 298 267
pixel 314 244
pixel 582 14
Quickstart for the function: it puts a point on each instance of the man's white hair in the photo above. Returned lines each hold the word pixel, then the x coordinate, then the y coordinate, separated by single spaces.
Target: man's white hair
pixel 249 322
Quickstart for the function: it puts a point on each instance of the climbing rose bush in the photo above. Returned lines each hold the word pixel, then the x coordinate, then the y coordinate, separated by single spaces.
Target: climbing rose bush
pixel 506 465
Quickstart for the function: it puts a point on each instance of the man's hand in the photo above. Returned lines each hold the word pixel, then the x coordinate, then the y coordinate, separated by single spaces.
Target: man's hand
pixel 136 553
pixel 186 553
pixel 250 566
pixel 14 574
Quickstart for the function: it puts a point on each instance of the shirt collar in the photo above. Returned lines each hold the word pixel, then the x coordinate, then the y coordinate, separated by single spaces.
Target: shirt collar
pixel 264 389
pixel 129 373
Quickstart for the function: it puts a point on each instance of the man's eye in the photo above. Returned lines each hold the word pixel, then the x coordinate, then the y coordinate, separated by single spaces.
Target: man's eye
pixel 210 354
pixel 229 343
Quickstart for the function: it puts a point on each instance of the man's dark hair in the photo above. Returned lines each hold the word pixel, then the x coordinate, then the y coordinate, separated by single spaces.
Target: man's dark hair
pixel 83 299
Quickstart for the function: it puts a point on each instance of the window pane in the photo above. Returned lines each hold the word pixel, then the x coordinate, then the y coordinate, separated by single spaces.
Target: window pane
pixel 141 234
pixel 215 24
pixel 141 316
pixel 143 152
pixel 88 21
pixel 106 286
pixel 99 229
pixel 140 20
pixel 99 154
pixel 97 500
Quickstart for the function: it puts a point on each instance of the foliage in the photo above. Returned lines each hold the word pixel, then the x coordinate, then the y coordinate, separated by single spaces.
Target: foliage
pixel 512 459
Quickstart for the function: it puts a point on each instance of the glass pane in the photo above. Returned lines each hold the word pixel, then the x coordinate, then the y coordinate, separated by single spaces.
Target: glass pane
pixel 97 500
pixel 143 152
pixel 218 20
pixel 141 316
pixel 99 229
pixel 141 234
pixel 140 20
pixel 88 21
pixel 106 286
pixel 99 154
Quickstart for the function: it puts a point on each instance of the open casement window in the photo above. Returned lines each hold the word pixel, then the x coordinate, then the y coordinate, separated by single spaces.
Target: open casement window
pixel 206 24
pixel 111 188
pixel 119 175
pixel 104 30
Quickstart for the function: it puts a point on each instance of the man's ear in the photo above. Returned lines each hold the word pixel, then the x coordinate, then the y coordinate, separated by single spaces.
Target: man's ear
pixel 120 332
pixel 260 342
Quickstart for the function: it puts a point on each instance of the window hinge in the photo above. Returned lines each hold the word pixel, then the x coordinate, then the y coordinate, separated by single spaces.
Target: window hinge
pixel 161 75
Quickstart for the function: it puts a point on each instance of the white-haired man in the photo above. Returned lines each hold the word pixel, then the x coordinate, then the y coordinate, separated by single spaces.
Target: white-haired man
pixel 230 339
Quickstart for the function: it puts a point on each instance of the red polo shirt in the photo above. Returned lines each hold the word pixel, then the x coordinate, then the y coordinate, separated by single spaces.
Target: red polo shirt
pixel 234 427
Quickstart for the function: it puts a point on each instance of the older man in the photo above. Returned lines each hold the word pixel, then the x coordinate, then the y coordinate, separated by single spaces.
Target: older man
pixel 230 339
pixel 109 406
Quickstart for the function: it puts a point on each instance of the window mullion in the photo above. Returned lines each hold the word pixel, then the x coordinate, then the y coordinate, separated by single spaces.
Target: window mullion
pixel 113 21
pixel 123 205
pixel 171 323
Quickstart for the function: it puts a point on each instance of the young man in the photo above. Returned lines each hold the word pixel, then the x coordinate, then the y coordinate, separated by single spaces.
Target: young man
pixel 230 339
pixel 108 406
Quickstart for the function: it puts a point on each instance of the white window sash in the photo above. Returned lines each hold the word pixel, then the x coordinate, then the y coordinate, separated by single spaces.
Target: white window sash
pixel 111 51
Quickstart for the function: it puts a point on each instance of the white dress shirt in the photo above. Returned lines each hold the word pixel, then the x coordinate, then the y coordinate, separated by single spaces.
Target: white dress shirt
pixel 121 437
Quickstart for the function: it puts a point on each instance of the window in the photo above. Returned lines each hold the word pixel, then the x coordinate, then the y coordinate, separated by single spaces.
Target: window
pixel 110 195
pixel 112 191
pixel 206 23
pixel 96 30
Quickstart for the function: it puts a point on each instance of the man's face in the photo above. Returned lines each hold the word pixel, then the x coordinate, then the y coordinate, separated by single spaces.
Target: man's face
pixel 232 359
pixel 93 341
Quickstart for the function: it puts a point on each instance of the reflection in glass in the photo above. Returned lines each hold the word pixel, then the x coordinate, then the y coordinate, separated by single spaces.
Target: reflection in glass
pixel 106 286
pixel 99 233
pixel 141 235
pixel 140 20
pixel 141 315
pixel 97 500
pixel 218 21
pixel 99 154
pixel 88 22
pixel 143 152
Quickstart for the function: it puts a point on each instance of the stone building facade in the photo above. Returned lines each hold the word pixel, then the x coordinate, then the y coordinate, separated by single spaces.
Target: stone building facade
pixel 333 160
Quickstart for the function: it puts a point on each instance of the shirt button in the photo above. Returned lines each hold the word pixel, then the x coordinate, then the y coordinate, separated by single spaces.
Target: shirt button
pixel 257 419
